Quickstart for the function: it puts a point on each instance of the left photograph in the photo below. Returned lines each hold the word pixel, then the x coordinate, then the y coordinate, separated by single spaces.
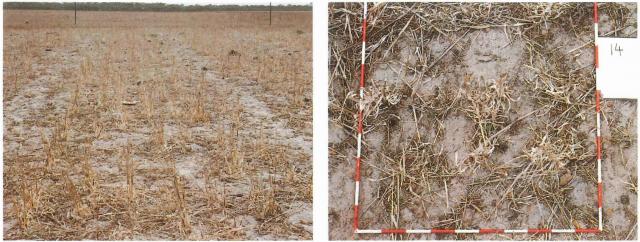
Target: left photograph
pixel 157 121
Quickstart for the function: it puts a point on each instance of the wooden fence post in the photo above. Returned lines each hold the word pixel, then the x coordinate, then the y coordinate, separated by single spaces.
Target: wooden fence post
pixel 269 13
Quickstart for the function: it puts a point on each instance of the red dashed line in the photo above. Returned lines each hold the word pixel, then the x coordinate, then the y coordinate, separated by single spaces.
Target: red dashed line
pixel 596 230
pixel 481 231
pixel 595 12
pixel 599 194
pixel 355 217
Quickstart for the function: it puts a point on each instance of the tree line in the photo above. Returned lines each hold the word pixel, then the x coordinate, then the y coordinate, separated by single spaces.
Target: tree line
pixel 152 7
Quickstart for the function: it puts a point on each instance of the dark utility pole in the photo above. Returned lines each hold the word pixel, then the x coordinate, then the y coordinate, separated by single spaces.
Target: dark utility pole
pixel 269 13
pixel 75 13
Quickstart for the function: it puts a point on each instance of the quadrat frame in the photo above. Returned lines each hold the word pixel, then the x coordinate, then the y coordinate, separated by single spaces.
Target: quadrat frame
pixel 356 206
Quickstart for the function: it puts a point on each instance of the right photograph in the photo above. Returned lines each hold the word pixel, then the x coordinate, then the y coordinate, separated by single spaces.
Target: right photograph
pixel 479 121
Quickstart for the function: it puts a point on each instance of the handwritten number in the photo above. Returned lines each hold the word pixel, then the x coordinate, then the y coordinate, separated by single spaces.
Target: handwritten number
pixel 616 48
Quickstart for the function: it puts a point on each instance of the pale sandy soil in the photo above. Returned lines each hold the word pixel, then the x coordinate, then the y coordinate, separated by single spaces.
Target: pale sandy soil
pixel 243 171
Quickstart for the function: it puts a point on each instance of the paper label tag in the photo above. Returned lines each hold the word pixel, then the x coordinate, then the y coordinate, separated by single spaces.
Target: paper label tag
pixel 619 67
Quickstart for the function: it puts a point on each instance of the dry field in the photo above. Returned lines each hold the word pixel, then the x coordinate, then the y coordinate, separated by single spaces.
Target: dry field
pixel 141 125
pixel 478 115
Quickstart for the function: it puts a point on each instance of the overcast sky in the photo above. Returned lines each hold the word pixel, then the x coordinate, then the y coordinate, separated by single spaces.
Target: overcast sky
pixel 199 2
pixel 252 2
